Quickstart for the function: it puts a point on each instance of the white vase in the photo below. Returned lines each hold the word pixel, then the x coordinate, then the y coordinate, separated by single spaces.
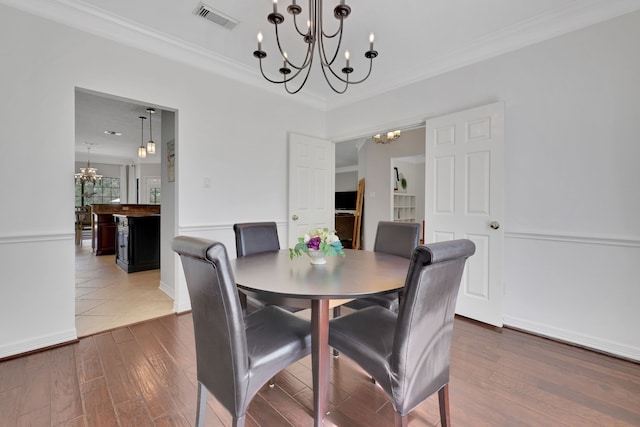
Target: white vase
pixel 317 257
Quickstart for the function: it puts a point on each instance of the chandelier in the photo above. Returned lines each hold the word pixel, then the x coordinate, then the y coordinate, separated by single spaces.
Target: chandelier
pixel 314 35
pixel 386 138
pixel 142 150
pixel 88 174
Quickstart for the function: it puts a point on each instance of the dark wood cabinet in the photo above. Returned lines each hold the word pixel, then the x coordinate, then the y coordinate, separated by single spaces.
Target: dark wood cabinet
pixel 104 234
pixel 344 228
pixel 138 242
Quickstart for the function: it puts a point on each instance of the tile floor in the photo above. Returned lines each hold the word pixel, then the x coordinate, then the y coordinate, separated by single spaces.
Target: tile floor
pixel 107 297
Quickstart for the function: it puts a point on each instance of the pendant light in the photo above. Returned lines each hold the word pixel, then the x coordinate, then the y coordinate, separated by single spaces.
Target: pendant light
pixel 151 146
pixel 142 151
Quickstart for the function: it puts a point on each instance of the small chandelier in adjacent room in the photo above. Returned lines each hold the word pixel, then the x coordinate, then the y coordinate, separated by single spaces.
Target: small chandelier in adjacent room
pixel 151 146
pixel 386 138
pixel 88 174
pixel 314 34
pixel 142 150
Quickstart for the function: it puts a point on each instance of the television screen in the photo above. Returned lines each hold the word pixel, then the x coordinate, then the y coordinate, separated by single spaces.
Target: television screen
pixel 346 200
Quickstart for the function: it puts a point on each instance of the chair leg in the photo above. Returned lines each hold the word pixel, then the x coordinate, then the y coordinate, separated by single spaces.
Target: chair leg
pixel 401 420
pixel 336 313
pixel 239 422
pixel 243 302
pixel 201 408
pixel 443 399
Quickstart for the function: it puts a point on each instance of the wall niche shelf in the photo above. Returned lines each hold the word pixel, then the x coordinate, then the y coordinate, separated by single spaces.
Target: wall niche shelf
pixel 404 207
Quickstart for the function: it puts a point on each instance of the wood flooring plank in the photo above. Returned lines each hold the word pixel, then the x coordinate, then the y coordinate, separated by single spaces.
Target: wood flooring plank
pixel 88 360
pixel 122 335
pixel 265 414
pixel 122 386
pixel 12 373
pixel 148 342
pixel 182 356
pixel 157 397
pixel 77 422
pixel 171 420
pixel 37 417
pixel 66 402
pixel 99 409
pixel 36 392
pixel 9 400
pixel 182 390
pixel 283 402
pixel 134 413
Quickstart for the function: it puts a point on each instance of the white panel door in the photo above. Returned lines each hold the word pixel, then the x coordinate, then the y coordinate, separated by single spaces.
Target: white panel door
pixel 311 185
pixel 464 199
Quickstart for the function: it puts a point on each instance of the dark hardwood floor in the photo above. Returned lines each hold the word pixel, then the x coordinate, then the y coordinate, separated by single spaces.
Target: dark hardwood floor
pixel 144 375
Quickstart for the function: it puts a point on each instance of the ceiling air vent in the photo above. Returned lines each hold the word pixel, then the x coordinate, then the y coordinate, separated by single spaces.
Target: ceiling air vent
pixel 209 13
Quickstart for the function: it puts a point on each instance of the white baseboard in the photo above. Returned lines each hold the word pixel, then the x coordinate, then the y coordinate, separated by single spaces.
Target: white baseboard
pixel 595 343
pixel 44 341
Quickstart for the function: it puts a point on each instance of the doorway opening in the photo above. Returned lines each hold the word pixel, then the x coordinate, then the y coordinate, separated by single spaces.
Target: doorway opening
pixel 106 295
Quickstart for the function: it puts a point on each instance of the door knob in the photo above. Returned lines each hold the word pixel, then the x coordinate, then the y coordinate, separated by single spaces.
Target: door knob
pixel 494 225
pixel 294 217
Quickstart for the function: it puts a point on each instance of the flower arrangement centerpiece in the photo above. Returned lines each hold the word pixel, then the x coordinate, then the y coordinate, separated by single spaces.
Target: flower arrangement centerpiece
pixel 317 244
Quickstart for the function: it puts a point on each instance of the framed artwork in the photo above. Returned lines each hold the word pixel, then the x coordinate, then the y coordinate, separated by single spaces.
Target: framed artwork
pixel 171 160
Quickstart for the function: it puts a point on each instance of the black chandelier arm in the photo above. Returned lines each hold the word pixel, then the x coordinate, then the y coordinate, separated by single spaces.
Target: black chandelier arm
pixel 301 84
pixel 295 24
pixel 338 31
pixel 337 76
pixel 323 53
pixel 307 59
pixel 286 80
pixel 326 77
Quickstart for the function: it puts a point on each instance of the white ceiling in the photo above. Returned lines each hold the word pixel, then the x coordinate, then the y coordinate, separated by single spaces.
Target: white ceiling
pixel 97 113
pixel 416 39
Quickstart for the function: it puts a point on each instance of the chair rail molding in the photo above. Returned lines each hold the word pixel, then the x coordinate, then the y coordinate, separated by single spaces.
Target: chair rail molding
pixel 36 238
pixel 592 239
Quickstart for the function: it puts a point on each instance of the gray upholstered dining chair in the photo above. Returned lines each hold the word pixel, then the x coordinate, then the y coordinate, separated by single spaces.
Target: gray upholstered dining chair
pixel 394 238
pixel 235 355
pixel 254 238
pixel 408 353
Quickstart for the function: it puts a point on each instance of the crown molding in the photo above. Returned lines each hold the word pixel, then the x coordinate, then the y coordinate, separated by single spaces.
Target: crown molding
pixel 91 19
pixel 80 15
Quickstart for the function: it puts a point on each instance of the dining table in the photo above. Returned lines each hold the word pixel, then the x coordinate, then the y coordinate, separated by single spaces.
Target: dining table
pixel 277 279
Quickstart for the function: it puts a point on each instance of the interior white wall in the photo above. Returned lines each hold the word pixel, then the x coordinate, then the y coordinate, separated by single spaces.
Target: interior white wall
pixel 168 209
pixel 347 181
pixel 571 175
pixel 42 64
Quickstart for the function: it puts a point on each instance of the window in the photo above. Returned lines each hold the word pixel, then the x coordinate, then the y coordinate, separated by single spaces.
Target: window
pixel 154 196
pixel 107 190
